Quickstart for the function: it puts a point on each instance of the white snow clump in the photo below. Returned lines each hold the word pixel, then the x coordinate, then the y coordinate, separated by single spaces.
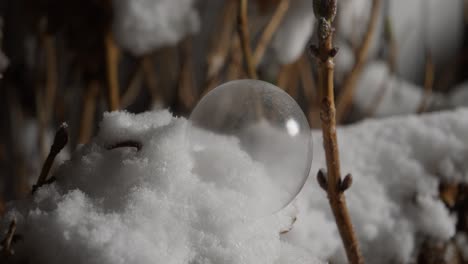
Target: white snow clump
pixel 142 26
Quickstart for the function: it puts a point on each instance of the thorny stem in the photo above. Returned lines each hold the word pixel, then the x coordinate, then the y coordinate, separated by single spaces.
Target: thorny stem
pixel 244 36
pixel 349 84
pixel 325 11
pixel 60 140
pixel 7 241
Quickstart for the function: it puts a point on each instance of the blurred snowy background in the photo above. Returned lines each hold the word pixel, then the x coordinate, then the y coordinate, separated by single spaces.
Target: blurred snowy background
pixel 74 60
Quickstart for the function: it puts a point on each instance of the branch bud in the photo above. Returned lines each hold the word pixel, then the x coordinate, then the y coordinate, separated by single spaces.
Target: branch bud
pixel 325 9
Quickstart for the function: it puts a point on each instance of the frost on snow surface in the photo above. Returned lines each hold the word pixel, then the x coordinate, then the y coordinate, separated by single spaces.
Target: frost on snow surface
pixel 149 206
pixel 142 26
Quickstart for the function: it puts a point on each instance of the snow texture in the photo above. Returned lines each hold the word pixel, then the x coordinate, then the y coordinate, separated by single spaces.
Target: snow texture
pixel 149 206
pixel 141 26
pixel 294 32
pixel 437 24
pixel 383 94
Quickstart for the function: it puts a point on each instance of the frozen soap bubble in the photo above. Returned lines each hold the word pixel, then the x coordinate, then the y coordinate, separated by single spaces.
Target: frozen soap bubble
pixel 251 136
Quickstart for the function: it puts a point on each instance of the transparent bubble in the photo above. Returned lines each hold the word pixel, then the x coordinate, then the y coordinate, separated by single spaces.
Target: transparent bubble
pixel 251 136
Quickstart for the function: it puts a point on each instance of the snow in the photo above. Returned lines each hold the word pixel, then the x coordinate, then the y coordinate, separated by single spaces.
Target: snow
pixel 150 206
pixel 147 206
pixel 437 24
pixel 142 26
pixel 294 32
pixel 394 95
pixel 393 200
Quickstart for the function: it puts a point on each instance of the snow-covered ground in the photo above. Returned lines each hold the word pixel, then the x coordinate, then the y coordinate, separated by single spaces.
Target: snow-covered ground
pixel 126 205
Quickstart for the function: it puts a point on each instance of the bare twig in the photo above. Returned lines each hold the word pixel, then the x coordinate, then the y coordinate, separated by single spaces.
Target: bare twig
pixel 186 93
pixel 51 75
pixel 88 111
pixel 325 11
pixel 243 29
pixel 428 83
pixel 391 62
pixel 7 241
pixel 235 70
pixel 150 78
pixel 221 43
pixel 60 140
pixel 349 84
pixel 112 61
pixel 133 89
pixel 270 30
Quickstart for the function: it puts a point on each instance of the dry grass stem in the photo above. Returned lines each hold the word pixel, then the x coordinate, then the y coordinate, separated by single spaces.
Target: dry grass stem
pixel 325 11
pixel 133 88
pixel 151 81
pixel 270 30
pixel 428 84
pixel 51 75
pixel 349 84
pixel 88 112
pixel 221 42
pixel 187 95
pixel 235 69
pixel 60 141
pixel 7 241
pixel 244 35
pixel 112 62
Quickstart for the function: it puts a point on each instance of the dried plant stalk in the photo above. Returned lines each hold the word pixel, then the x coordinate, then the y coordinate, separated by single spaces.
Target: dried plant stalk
pixel 349 84
pixel 60 140
pixel 270 30
pixel 88 111
pixel 186 93
pixel 428 83
pixel 325 11
pixel 221 43
pixel 7 241
pixel 51 75
pixel 112 61
pixel 150 78
pixel 133 88
pixel 244 36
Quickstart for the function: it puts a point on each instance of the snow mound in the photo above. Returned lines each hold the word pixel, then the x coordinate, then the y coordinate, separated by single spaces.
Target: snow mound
pixel 142 26
pixel 397 165
pixel 144 204
pixel 148 203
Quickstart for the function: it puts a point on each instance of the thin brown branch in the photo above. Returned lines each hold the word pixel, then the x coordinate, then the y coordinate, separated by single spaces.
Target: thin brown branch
pixel 186 93
pixel 112 62
pixel 7 241
pixel 391 62
pixel 60 140
pixel 325 11
pixel 221 43
pixel 51 75
pixel 309 88
pixel 349 84
pixel 428 84
pixel 150 78
pixel 88 112
pixel 235 70
pixel 270 30
pixel 244 35
pixel 133 89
